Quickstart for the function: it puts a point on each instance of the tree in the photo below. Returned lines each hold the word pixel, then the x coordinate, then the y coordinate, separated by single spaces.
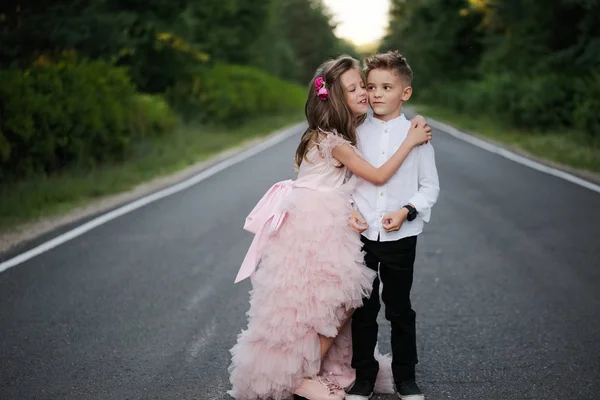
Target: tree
pixel 309 31
pixel 29 29
pixel 533 37
pixel 439 37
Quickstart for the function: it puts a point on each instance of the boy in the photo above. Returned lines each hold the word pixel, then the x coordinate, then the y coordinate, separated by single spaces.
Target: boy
pixel 394 214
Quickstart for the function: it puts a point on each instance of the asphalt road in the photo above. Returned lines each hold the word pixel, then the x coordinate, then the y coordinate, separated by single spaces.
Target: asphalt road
pixel 507 290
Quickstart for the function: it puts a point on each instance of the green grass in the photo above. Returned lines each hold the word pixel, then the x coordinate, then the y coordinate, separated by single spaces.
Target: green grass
pixel 38 197
pixel 569 148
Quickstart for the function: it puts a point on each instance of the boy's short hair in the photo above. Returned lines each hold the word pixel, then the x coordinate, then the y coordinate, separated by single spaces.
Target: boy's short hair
pixel 393 61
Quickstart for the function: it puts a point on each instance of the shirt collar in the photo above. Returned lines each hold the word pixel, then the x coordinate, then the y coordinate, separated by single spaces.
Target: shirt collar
pixel 391 122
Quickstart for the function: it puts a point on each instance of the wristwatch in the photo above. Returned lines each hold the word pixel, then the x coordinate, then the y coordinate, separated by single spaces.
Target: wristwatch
pixel 412 212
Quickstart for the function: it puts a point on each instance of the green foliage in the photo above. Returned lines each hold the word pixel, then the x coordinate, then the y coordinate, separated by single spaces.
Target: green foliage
pixel 297 37
pixel 439 37
pixel 226 29
pixel 287 39
pixel 160 62
pixel 528 64
pixel 231 94
pixel 587 106
pixel 29 29
pixel 309 31
pixel 217 61
pixel 151 116
pixel 271 51
pixel 541 103
pixel 70 113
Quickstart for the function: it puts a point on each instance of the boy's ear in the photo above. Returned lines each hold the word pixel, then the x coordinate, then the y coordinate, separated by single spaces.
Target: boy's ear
pixel 407 93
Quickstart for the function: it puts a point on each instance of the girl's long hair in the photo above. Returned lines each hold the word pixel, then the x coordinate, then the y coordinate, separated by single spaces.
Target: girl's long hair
pixel 333 114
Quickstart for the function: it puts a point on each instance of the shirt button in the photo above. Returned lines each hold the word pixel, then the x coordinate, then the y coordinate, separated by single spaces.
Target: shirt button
pixel 381 194
pixel 383 152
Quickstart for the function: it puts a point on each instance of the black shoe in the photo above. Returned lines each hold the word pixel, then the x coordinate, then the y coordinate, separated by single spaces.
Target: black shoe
pixel 409 390
pixel 361 390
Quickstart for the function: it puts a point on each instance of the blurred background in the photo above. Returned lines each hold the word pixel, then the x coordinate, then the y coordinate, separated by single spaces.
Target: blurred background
pixel 103 102
pixel 99 95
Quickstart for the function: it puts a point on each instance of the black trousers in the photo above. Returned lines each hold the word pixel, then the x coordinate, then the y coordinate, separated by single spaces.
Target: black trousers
pixel 395 260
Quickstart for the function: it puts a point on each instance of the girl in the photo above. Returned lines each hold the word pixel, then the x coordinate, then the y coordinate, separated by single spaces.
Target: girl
pixel 311 273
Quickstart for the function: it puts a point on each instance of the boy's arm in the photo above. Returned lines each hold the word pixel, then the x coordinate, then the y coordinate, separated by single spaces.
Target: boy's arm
pixel 426 196
pixel 429 183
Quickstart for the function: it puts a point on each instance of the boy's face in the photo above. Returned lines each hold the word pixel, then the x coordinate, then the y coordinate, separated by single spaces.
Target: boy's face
pixel 387 92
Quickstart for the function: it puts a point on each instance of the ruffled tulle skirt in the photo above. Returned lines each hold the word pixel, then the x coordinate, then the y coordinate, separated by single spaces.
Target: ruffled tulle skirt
pixel 310 277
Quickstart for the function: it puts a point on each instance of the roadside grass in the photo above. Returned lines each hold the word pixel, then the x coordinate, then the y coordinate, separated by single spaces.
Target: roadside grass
pixel 569 148
pixel 41 196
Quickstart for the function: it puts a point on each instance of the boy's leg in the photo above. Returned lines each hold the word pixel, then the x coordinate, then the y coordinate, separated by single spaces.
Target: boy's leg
pixel 364 326
pixel 396 269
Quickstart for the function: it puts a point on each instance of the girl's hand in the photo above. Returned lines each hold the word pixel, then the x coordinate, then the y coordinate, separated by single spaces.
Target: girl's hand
pixel 357 222
pixel 418 120
pixel 418 133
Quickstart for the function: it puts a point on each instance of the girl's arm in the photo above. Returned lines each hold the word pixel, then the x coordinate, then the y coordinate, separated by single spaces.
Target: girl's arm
pixel 378 176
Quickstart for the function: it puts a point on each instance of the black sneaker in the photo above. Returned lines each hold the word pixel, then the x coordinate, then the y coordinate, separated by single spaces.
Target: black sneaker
pixel 361 390
pixel 409 390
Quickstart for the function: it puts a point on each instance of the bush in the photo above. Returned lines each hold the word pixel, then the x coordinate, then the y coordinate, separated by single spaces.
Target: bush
pixel 151 116
pixel 67 113
pixel 587 106
pixel 545 102
pixel 542 103
pixel 231 94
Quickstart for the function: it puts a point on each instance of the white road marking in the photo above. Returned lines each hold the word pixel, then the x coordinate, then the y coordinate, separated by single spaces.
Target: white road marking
pixel 104 218
pixel 512 156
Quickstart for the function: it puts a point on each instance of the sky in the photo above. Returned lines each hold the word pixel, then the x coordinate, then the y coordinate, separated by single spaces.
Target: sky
pixel 358 22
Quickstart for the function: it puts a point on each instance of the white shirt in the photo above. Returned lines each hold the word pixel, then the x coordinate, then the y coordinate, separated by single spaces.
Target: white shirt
pixel 416 182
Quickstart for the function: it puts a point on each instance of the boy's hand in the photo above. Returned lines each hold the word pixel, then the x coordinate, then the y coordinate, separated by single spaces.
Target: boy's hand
pixel 357 222
pixel 393 221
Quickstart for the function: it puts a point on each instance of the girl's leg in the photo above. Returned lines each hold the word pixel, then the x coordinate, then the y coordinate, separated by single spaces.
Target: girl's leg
pixel 327 341
pixel 314 386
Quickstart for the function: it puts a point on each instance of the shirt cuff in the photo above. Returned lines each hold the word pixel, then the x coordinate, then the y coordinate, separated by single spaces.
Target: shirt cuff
pixel 422 207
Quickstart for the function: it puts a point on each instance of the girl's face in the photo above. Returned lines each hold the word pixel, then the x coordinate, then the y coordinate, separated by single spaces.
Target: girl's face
pixel 356 92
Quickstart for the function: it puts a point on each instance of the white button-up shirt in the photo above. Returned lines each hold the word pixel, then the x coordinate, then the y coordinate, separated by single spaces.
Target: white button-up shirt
pixel 416 182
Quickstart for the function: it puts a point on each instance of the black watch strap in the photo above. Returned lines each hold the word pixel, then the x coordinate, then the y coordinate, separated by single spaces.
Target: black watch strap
pixel 412 212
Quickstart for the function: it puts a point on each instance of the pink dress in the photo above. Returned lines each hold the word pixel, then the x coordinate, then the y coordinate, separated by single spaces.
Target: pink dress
pixel 310 276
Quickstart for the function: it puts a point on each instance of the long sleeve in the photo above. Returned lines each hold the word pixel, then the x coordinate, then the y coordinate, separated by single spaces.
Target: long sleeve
pixel 429 184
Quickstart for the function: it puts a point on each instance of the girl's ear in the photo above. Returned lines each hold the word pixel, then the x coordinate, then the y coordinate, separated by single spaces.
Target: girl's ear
pixel 406 93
